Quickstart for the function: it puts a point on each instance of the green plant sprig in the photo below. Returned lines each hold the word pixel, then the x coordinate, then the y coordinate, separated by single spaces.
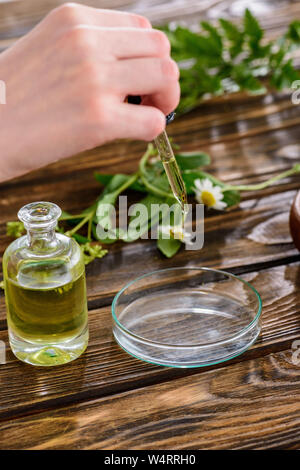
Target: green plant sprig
pixel 258 187
pixel 226 58
pixel 150 180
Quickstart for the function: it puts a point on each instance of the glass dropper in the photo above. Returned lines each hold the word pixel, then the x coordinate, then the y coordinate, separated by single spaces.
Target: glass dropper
pixel 170 164
pixel 168 159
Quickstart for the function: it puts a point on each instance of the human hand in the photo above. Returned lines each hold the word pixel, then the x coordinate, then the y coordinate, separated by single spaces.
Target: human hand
pixel 67 81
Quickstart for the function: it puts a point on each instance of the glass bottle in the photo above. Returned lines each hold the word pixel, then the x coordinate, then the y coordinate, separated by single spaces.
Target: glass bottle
pixel 45 291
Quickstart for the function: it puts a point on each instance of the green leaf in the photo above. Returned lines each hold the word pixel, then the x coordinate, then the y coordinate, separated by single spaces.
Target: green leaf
pixel 65 214
pixel 107 200
pixel 214 35
pixel 168 247
pixel 231 31
pixel 106 204
pixel 115 183
pixel 192 160
pixel 234 36
pixel 2 285
pixel 252 27
pixel 293 32
pixel 109 240
pixel 104 212
pixel 207 81
pixel 156 176
pixel 243 76
pixel 276 58
pixel 146 219
pixel 105 179
pixel 138 186
pixel 80 238
pixel 259 52
pixel 69 218
pixel 232 198
pixel 284 77
pixel 192 45
pixel 15 229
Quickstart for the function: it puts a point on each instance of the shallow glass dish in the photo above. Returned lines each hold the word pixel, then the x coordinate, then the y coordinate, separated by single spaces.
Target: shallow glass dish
pixel 186 317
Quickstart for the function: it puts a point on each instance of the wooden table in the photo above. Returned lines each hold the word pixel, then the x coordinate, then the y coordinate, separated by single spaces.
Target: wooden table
pixel 109 400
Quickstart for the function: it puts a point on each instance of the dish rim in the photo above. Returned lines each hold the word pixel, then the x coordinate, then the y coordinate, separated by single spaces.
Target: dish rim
pixel 180 346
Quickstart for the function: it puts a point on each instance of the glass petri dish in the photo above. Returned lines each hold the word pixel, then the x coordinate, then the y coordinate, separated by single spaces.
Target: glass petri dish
pixel 186 317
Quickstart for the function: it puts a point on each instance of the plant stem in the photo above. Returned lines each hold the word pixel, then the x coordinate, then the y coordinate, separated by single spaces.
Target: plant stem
pixel 89 234
pixel 89 216
pixel 81 223
pixel 128 183
pixel 71 217
pixel 257 187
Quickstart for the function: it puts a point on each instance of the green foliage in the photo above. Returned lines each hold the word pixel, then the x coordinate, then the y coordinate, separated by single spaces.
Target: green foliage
pixel 226 57
pixel 152 181
pixel 91 252
pixel 168 247
pixel 293 33
pixel 80 238
pixel 15 229
pixel 192 160
pixel 146 219
pixel 251 27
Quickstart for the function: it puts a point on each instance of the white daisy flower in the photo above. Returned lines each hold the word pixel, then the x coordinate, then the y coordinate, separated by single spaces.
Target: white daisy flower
pixel 177 232
pixel 208 194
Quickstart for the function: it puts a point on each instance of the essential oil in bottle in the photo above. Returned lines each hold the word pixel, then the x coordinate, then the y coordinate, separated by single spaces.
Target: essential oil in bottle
pixel 45 291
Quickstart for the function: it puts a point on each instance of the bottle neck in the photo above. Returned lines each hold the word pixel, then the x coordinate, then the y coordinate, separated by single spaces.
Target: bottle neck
pixel 42 240
pixel 40 220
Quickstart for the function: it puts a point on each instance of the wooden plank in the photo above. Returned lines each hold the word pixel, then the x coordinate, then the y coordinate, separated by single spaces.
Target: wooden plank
pixel 106 369
pixel 249 405
pixel 16 17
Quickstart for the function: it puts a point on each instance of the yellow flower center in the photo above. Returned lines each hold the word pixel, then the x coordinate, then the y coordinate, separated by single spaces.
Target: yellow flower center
pixel 208 198
pixel 177 233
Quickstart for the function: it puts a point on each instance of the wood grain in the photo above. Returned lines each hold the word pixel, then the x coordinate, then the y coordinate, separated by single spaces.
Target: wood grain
pixel 105 368
pixel 109 400
pixel 249 405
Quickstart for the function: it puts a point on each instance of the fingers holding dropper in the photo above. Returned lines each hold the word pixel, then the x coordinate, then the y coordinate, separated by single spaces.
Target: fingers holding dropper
pixel 137 100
